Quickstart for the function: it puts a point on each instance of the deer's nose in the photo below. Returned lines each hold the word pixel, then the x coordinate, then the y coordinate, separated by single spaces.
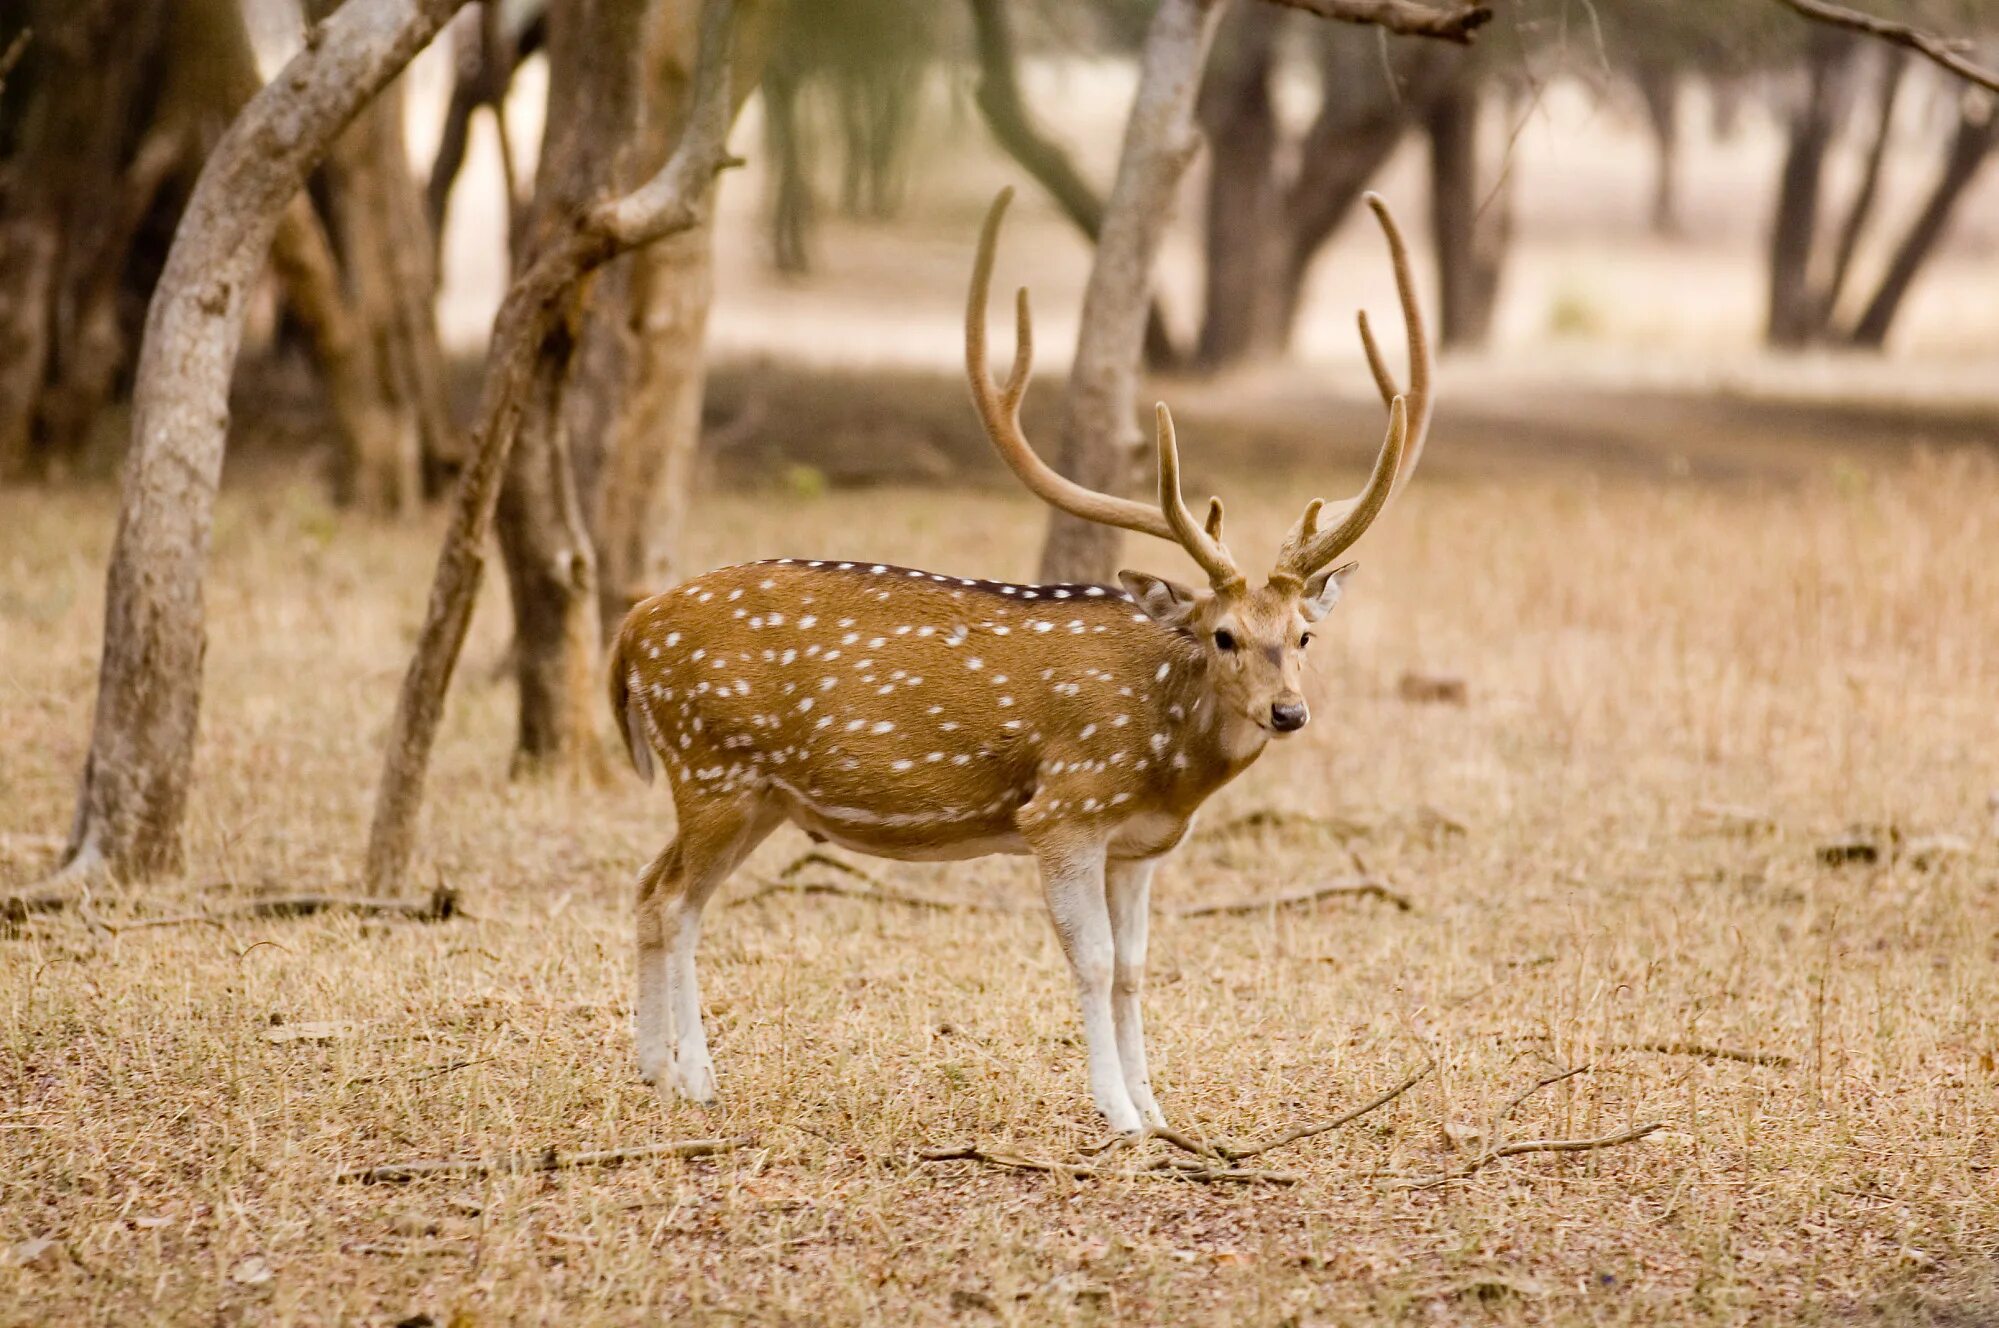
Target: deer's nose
pixel 1288 716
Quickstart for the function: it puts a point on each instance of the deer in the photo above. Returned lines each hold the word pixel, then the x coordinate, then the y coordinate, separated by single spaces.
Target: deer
pixel 924 716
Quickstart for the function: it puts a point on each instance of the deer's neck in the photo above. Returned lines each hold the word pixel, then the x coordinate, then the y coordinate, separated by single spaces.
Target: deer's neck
pixel 1211 744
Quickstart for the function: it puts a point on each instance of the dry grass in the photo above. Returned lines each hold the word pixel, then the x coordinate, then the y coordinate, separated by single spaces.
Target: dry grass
pixel 1823 654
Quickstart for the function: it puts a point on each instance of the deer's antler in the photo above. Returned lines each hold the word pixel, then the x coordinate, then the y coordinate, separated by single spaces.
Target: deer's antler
pixel 999 407
pixel 1307 548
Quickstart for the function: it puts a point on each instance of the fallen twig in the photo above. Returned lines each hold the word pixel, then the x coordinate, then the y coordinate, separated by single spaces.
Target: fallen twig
pixel 1367 886
pixel 1170 1167
pixel 875 893
pixel 546 1160
pixel 1276 818
pixel 1235 1153
pixel 440 906
pixel 1492 1155
pixel 1703 1051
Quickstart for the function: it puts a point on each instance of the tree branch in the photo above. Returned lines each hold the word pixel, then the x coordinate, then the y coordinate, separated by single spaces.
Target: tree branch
pixel 1947 53
pixel 1402 17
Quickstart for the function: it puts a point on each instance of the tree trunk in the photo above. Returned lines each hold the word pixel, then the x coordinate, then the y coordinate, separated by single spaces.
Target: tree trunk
pixel 1861 209
pixel 1659 88
pixel 648 481
pixel 1244 239
pixel 79 99
pixel 135 779
pixel 1971 145
pixel 623 380
pixel 1012 126
pixel 1794 306
pixel 1099 431
pixel 790 184
pixel 1471 229
pixel 532 312
pixel 389 271
pixel 594 107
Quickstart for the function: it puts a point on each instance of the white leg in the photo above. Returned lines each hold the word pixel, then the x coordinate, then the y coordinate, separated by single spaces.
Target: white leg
pixel 655 1025
pixel 693 1071
pixel 1073 880
pixel 1128 887
pixel 672 1044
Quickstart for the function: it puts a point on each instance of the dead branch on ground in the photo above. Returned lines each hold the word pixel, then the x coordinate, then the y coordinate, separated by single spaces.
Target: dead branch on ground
pixel 872 888
pixel 1945 52
pixel 546 1160
pixel 1237 1152
pixel 1170 1168
pixel 1492 1155
pixel 1366 886
pixel 441 906
pixel 1703 1052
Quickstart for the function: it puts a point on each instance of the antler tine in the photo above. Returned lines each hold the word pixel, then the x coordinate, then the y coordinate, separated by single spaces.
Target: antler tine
pixel 999 407
pixel 1308 549
pixel 1199 543
pixel 1418 395
pixel 1213 525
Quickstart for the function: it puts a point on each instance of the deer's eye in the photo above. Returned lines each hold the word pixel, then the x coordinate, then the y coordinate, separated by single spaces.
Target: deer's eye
pixel 1224 639
pixel 1304 640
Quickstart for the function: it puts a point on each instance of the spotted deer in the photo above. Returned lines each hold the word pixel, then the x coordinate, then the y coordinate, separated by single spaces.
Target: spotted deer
pixel 918 715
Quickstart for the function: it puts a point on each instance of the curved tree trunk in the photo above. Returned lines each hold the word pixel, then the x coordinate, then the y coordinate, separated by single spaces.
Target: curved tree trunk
pixel 135 779
pixel 1099 428
pixel 1970 147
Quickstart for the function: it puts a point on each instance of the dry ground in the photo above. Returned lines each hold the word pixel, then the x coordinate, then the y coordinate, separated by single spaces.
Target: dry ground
pixel 1821 650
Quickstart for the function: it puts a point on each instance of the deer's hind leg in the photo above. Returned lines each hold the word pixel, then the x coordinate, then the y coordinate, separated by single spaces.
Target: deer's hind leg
pixel 713 840
pixel 1128 892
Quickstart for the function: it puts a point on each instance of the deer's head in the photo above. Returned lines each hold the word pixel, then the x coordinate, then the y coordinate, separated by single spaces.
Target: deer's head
pixel 1252 639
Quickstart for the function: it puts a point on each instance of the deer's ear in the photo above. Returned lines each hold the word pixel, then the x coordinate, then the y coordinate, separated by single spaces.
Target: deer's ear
pixel 1167 603
pixel 1322 591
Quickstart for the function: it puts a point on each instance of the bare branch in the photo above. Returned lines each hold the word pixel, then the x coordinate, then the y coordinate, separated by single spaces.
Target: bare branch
pixel 1403 17
pixel 1236 1154
pixel 1168 1168
pixel 1366 886
pixel 546 1160
pixel 1947 53
pixel 874 894
pixel 1703 1052
pixel 1484 1159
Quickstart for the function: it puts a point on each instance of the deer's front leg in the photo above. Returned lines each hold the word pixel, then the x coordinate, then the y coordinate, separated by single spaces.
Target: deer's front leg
pixel 1128 888
pixel 1072 877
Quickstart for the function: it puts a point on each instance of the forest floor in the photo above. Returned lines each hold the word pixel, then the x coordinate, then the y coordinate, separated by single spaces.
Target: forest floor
pixel 1711 836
